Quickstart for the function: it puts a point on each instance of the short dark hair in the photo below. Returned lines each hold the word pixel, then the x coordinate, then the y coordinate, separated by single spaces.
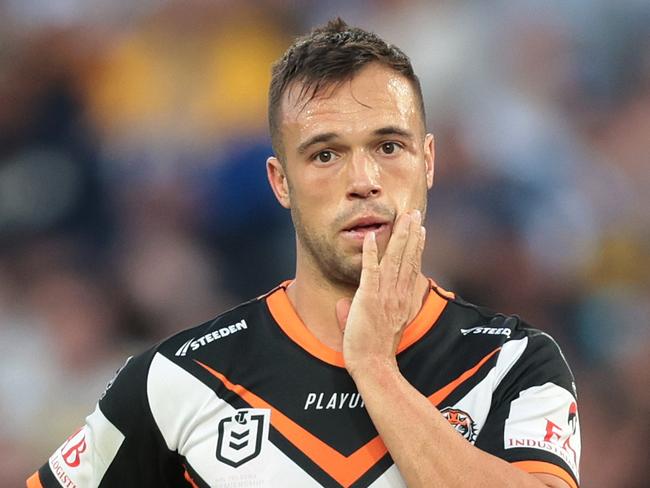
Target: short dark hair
pixel 330 55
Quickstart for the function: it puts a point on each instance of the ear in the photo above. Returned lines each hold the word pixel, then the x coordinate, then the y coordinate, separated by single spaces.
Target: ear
pixel 429 158
pixel 278 181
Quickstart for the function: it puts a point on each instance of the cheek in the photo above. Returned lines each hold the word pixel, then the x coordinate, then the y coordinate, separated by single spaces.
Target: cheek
pixel 310 207
pixel 316 191
pixel 407 189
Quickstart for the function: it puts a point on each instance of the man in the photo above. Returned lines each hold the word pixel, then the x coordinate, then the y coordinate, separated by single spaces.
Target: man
pixel 360 371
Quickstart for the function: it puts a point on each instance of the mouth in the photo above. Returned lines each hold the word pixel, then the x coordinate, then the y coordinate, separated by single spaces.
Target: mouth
pixel 358 228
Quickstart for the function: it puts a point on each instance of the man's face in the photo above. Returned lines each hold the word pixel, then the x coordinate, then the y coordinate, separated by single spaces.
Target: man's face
pixel 356 156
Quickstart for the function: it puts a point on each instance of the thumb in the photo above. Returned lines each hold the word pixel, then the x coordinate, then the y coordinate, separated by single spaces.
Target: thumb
pixel 342 310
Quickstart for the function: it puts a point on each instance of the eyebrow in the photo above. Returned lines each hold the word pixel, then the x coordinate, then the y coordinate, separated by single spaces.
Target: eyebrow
pixel 328 136
pixel 393 130
pixel 325 137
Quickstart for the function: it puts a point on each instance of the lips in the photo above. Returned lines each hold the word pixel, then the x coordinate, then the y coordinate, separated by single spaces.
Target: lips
pixel 359 227
pixel 366 223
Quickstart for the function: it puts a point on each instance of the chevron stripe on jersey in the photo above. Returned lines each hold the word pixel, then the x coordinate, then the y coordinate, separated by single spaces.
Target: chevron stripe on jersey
pixel 252 398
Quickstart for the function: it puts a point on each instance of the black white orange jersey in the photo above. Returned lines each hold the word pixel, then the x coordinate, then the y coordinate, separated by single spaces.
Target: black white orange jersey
pixel 253 399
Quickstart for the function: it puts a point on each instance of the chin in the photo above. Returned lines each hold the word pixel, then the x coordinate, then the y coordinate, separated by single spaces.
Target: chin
pixel 345 273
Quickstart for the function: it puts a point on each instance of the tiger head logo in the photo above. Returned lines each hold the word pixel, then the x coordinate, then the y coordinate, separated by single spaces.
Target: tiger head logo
pixel 461 421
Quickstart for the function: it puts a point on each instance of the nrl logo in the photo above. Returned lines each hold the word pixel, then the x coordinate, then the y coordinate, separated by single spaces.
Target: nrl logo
pixel 241 436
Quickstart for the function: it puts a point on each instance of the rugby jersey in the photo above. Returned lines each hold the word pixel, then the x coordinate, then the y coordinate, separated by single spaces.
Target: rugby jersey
pixel 253 399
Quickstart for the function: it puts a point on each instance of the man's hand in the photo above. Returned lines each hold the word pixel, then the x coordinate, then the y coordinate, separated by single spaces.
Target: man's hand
pixel 422 443
pixel 373 322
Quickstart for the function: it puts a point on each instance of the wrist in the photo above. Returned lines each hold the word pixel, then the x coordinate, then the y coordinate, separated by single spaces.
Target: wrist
pixel 371 368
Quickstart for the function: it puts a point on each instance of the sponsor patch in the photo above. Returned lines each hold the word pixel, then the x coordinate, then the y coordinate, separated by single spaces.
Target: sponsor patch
pixel 333 401
pixel 86 455
pixel 74 447
pixel 545 417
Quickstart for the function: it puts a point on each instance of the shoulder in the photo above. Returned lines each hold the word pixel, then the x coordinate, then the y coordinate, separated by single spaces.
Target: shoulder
pixel 222 336
pixel 470 319
pixel 171 364
pixel 525 353
pixel 219 334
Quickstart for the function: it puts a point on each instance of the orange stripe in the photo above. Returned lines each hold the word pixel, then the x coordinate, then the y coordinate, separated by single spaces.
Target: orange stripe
pixel 189 479
pixel 425 319
pixel 286 317
pixel 444 392
pixel 34 481
pixel 546 468
pixel 447 294
pixel 344 469
pixel 292 325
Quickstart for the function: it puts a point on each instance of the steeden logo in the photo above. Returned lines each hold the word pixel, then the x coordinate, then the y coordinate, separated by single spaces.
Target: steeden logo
pixel 211 337
pixel 505 331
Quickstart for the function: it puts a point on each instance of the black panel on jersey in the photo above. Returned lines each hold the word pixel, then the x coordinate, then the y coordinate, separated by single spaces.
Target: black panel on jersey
pixel 47 478
pixel 541 362
pixel 373 473
pixel 447 352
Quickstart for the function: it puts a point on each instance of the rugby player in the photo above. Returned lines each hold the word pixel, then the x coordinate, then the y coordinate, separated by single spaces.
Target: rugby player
pixel 360 371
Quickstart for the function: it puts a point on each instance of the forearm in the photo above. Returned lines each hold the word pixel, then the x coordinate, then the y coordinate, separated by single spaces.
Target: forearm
pixel 425 448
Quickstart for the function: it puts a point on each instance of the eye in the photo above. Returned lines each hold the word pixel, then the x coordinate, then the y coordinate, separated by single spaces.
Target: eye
pixel 389 147
pixel 324 156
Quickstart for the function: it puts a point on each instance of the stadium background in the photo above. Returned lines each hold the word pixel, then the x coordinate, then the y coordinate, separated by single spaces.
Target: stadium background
pixel 133 199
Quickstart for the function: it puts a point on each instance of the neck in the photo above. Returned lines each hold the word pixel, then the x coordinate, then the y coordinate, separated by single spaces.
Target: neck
pixel 314 298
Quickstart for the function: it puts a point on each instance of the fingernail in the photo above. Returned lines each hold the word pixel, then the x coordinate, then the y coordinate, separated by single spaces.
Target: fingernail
pixel 417 215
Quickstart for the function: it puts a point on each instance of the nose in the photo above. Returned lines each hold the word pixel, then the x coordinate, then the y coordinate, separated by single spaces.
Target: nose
pixel 363 178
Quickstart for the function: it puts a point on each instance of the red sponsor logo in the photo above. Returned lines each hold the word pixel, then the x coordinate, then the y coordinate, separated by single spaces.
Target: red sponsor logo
pixel 555 433
pixel 73 448
pixel 556 439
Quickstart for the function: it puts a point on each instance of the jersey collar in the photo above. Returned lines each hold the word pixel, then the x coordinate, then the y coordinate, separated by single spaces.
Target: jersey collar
pixel 292 325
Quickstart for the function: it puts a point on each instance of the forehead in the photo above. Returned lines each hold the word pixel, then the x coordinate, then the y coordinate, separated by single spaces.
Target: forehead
pixel 375 97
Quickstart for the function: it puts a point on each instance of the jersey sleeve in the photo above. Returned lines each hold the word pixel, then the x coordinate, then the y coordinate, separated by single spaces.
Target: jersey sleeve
pixel 119 444
pixel 533 422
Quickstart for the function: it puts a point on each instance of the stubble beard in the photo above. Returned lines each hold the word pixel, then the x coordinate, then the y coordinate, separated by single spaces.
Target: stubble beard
pixel 332 264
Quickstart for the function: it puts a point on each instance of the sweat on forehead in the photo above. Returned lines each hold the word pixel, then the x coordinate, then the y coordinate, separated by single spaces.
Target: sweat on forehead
pixel 382 96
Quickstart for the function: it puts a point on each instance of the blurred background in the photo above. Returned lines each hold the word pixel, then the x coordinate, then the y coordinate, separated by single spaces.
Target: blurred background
pixel 134 202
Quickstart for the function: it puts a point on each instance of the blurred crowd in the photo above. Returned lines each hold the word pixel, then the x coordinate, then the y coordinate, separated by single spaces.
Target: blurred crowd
pixel 134 202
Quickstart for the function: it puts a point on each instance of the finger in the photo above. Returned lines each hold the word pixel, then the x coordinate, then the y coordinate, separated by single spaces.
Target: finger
pixel 369 263
pixel 416 302
pixel 392 259
pixel 422 235
pixel 342 311
pixel 411 258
